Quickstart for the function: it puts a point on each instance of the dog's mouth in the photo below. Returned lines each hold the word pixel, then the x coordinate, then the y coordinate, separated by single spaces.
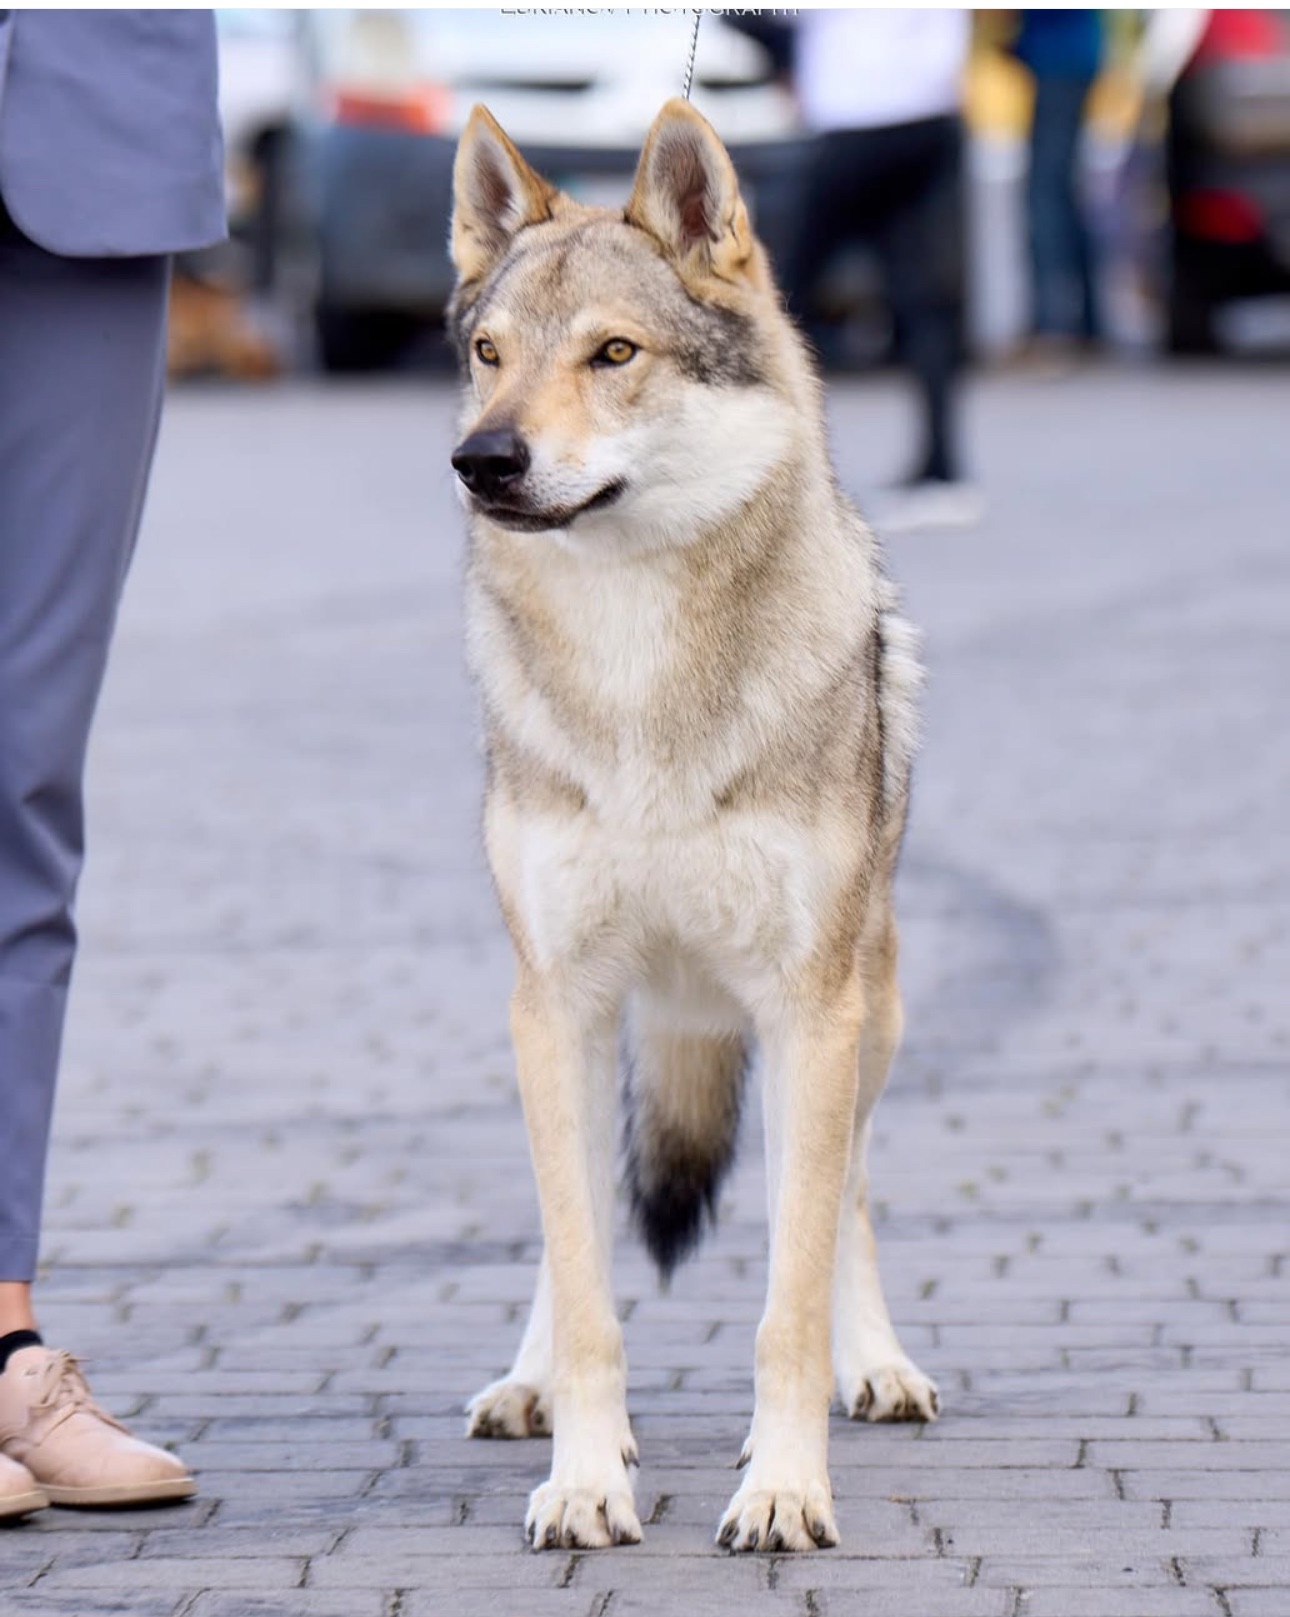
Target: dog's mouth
pixel 527 519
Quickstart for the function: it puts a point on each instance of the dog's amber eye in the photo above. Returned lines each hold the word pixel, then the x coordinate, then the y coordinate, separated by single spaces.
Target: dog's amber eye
pixel 617 351
pixel 487 353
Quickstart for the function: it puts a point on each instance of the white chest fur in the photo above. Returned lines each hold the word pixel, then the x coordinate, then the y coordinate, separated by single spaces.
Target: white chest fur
pixel 584 674
pixel 741 896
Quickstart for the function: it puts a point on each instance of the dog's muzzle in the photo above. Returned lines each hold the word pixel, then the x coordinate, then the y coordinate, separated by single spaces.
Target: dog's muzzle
pixel 490 464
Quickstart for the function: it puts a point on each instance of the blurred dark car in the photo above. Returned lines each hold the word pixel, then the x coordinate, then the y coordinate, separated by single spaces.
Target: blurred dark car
pixel 577 93
pixel 1229 173
pixel 262 85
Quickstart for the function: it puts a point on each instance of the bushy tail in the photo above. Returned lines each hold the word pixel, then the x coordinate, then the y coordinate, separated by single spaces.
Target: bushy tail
pixel 683 1100
pixel 899 679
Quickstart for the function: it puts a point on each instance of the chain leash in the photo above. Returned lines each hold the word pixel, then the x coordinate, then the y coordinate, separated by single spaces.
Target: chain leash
pixel 689 66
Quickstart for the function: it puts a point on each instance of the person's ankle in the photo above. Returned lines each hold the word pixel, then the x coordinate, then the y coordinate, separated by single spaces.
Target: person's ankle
pixel 12 1341
pixel 15 1307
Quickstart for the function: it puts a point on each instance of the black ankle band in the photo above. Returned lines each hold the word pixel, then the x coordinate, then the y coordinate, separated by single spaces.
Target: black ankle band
pixel 15 1340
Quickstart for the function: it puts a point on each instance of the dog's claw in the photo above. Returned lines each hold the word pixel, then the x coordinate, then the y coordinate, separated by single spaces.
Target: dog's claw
pixel 508 1409
pixel 583 1518
pixel 896 1392
pixel 779 1520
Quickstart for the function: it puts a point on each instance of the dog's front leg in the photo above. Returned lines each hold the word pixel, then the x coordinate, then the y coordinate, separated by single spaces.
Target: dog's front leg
pixel 566 1075
pixel 785 1501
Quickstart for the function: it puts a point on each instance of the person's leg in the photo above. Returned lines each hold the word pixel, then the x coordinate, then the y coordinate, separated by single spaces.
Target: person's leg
pixel 832 211
pixel 1059 249
pixel 82 372
pixel 922 240
pixel 82 366
pixel 1088 306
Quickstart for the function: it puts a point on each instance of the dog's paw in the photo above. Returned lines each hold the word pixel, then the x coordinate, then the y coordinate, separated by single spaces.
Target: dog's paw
pixel 581 1518
pixel 508 1409
pixel 775 1519
pixel 890 1392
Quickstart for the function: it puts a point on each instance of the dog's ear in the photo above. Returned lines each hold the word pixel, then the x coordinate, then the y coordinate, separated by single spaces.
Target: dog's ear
pixel 495 193
pixel 687 197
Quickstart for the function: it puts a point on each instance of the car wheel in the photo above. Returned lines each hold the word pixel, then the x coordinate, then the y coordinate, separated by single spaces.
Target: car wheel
pixel 355 340
pixel 1190 327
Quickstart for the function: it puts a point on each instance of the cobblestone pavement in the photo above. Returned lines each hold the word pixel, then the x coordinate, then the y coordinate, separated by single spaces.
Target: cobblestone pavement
pixel 291 1218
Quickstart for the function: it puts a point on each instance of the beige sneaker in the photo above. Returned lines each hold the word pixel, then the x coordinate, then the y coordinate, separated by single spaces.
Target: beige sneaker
pixel 77 1454
pixel 19 1494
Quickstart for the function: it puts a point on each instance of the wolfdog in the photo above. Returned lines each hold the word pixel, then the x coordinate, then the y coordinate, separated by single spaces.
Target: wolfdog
pixel 699 710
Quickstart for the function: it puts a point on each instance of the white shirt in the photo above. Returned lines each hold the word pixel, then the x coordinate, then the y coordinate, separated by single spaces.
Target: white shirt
pixel 862 69
pixel 1168 44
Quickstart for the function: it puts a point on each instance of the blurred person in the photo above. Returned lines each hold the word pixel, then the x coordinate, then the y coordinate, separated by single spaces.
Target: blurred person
pixel 110 162
pixel 882 91
pixel 1165 48
pixel 1062 50
pixel 1170 41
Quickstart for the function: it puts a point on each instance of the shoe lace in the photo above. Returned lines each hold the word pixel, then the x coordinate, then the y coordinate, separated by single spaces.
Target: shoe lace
pixel 62 1389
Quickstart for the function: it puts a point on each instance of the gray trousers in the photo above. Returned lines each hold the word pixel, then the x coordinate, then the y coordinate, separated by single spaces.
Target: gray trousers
pixel 82 372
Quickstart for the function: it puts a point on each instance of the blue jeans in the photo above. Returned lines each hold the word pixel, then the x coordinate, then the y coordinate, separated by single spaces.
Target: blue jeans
pixel 1060 249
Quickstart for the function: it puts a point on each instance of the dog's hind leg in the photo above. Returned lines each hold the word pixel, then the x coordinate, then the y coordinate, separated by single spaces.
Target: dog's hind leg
pixel 519 1405
pixel 876 1380
pixel 567 1084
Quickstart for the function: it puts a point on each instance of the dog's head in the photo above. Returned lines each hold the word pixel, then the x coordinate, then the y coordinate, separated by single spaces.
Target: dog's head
pixel 630 375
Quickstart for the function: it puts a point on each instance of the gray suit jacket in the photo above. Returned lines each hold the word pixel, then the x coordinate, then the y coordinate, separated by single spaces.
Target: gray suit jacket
pixel 110 141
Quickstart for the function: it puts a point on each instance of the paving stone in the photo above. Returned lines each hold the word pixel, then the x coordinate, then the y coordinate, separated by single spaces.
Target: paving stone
pixel 1095 1567
pixel 639 1603
pixel 36 1603
pixel 1103 1601
pixel 529 1603
pixel 219 1539
pixel 522 1569
pixel 1254 1484
pixel 916 1576
pixel 1263 1571
pixel 1257 1602
pixel 296 1603
pixel 708 1575
pixel 1186 1515
pixel 183 1573
pixel 1116 1543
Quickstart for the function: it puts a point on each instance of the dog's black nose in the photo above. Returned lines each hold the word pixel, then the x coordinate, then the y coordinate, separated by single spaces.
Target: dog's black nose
pixel 488 463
